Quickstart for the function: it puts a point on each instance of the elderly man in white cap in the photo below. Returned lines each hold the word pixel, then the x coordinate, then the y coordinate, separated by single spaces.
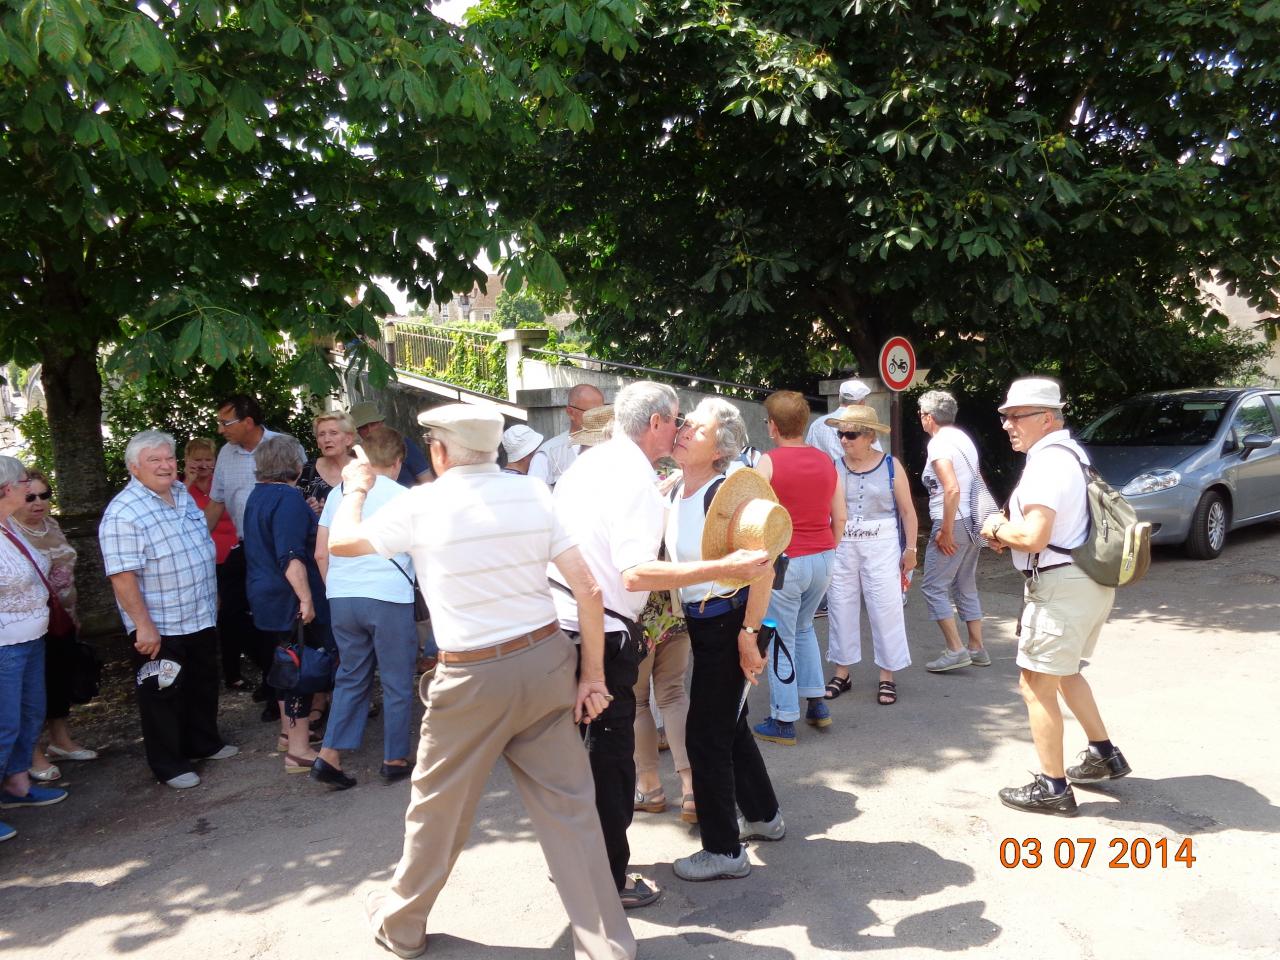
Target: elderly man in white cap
pixel 505 686
pixel 520 443
pixel 824 437
pixel 1064 608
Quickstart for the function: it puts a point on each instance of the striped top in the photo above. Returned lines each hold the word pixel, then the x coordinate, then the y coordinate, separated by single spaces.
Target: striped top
pixel 480 540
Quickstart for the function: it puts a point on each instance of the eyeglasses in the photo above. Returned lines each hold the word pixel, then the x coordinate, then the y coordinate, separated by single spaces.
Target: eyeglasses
pixel 852 434
pixel 1006 419
pixel 680 421
pixel 229 423
pixel 33 497
pixel 574 406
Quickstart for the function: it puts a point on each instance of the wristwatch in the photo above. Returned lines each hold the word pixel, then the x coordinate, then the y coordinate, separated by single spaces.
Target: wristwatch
pixel 751 630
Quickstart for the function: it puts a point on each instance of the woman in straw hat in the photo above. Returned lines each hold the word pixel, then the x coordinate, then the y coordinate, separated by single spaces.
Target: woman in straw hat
pixel 710 517
pixel 805 481
pixel 877 550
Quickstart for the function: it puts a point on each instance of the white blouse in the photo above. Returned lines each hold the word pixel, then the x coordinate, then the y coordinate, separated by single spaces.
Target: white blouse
pixel 24 601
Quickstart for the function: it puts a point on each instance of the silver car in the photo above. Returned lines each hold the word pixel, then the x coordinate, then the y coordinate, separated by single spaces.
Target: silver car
pixel 1195 463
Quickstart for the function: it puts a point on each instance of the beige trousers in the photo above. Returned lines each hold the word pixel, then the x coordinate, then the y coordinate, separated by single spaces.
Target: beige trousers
pixel 518 707
pixel 667 664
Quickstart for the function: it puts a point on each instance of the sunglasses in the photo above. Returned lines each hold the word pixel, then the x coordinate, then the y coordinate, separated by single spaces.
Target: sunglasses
pixel 33 497
pixel 852 434
pixel 1010 418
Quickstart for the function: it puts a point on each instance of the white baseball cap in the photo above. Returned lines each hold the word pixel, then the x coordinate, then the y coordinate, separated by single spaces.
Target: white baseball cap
pixel 476 427
pixel 854 391
pixel 1034 392
pixel 520 441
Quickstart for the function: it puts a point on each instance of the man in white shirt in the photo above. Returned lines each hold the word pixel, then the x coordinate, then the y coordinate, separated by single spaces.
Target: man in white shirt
pixel 555 456
pixel 610 505
pixel 951 557
pixel 481 541
pixel 823 436
pixel 1064 607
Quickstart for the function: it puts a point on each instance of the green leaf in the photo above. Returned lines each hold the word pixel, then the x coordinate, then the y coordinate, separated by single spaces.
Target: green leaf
pixel 213 133
pixel 239 134
pixel 215 347
pixel 546 273
pixel 290 40
pixel 188 343
pixel 60 33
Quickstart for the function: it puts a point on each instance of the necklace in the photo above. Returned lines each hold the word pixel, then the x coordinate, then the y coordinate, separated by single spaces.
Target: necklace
pixel 44 527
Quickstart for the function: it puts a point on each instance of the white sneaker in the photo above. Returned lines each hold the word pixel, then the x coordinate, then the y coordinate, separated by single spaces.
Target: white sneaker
pixel 226 753
pixel 705 865
pixel 773 829
pixel 950 660
pixel 184 781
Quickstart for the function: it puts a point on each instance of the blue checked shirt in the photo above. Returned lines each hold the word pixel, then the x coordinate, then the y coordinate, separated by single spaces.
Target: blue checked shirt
pixel 170 551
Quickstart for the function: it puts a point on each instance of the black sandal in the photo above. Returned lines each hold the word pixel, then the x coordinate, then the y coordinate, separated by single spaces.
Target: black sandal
pixel 887 693
pixel 836 686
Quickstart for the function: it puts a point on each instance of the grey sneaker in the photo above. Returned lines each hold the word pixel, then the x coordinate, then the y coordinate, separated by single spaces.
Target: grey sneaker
pixel 184 781
pixel 979 657
pixel 773 829
pixel 705 865
pixel 950 660
pixel 228 751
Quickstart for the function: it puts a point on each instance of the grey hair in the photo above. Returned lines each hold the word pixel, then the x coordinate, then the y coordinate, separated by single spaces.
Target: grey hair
pixel 731 429
pixel 278 459
pixel 459 455
pixel 147 440
pixel 940 405
pixel 11 471
pixel 636 404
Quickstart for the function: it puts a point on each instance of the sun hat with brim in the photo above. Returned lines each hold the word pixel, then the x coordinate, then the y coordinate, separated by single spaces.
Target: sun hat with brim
pixel 1034 392
pixel 857 416
pixel 597 427
pixel 854 391
pixel 475 427
pixel 520 441
pixel 745 515
pixel 364 413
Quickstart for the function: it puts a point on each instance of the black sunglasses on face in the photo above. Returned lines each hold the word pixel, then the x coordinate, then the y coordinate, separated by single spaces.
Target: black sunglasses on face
pixel 851 434
pixel 33 497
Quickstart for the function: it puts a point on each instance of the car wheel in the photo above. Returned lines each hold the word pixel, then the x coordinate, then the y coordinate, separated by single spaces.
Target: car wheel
pixel 1209 526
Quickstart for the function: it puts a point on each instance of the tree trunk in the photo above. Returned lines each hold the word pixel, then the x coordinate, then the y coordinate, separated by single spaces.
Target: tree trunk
pixel 73 394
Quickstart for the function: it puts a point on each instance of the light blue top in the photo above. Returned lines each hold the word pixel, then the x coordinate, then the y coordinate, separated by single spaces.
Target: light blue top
pixel 372 576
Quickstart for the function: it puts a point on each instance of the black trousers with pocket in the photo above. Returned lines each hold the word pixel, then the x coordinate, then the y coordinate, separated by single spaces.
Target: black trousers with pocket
pixel 728 771
pixel 180 719
pixel 611 745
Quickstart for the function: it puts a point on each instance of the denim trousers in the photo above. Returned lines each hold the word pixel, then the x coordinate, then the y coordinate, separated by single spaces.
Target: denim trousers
pixel 792 608
pixel 21 703
pixel 728 771
pixel 370 632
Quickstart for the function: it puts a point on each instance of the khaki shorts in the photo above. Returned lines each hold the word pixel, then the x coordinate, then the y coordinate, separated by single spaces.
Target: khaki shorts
pixel 1063 613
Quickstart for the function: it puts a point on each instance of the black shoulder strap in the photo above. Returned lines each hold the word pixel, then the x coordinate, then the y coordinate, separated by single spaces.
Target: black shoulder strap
pixel 631 625
pixel 711 494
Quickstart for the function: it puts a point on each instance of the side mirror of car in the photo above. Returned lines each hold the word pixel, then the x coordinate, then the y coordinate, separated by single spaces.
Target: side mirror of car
pixel 1254 441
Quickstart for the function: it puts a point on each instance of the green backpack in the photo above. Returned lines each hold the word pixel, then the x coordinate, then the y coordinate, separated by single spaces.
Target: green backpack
pixel 1117 549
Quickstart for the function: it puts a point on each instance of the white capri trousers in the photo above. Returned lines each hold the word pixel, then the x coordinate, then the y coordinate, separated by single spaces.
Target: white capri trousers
pixel 870 571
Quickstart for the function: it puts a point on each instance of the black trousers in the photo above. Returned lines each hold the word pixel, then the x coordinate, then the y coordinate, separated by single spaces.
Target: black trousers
pixel 611 743
pixel 723 757
pixel 58 664
pixel 236 633
pixel 180 719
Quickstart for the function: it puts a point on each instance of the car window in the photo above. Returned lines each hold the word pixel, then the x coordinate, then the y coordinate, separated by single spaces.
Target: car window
pixel 1157 422
pixel 1252 416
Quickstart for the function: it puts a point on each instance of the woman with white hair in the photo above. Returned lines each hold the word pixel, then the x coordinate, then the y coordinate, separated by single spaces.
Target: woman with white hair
pixel 283 582
pixel 951 556
pixel 24 620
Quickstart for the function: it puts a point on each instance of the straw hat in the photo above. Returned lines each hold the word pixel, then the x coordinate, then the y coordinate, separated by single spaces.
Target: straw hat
pixel 597 426
pixel 856 416
pixel 745 515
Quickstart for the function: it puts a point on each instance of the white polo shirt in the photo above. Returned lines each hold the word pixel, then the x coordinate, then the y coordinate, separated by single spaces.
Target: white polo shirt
pixel 1053 478
pixel 234 477
pixel 609 502
pixel 953 445
pixel 480 540
pixel 553 458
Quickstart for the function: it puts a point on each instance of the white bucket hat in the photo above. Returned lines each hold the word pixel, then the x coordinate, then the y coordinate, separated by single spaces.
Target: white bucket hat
pixel 854 391
pixel 1034 392
pixel 520 441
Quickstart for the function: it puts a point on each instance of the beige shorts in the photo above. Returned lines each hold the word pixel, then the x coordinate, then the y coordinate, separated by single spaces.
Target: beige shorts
pixel 1063 613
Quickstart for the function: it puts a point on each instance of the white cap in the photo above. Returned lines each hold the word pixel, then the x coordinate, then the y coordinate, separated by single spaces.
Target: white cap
pixel 854 391
pixel 1034 392
pixel 477 428
pixel 520 441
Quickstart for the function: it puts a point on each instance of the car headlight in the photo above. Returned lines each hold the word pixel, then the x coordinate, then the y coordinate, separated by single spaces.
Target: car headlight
pixel 1151 481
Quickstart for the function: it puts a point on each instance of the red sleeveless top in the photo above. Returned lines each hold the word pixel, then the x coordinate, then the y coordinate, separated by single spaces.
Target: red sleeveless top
pixel 804 478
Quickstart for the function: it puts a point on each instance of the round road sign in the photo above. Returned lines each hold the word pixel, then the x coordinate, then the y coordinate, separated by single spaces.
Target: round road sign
pixel 897 364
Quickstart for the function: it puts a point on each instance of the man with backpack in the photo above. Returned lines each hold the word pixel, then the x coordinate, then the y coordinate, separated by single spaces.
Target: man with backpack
pixel 1048 518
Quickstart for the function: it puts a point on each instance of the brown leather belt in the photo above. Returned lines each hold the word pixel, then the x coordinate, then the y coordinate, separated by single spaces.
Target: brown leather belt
pixel 500 649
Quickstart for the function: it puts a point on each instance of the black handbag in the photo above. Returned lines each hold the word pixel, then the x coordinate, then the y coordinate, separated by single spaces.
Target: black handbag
pixel 420 612
pixel 85 677
pixel 298 669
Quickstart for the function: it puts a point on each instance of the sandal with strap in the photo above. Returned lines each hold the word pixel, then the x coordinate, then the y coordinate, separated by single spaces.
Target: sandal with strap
pixel 688 809
pixel 887 693
pixel 836 686
pixel 652 801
